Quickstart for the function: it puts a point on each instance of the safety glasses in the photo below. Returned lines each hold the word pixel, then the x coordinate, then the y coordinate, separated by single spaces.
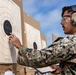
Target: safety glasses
pixel 65 17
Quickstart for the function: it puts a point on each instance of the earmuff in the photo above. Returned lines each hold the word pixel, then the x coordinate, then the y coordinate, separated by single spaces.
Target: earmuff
pixel 73 15
pixel 73 18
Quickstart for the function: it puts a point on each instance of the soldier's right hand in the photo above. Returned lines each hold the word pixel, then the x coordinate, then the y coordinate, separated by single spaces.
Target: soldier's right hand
pixel 16 42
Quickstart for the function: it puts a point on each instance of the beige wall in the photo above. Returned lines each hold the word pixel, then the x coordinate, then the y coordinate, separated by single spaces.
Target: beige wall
pixel 43 40
pixel 19 3
pixel 32 31
pixel 3 68
pixel 28 19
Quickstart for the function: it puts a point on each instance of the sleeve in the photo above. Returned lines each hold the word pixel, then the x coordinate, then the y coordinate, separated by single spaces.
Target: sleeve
pixel 59 51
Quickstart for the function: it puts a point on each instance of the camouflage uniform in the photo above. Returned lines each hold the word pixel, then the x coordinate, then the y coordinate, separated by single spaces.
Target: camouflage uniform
pixel 62 51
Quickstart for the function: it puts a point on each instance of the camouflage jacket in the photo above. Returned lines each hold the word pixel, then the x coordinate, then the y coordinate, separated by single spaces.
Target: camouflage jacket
pixel 62 51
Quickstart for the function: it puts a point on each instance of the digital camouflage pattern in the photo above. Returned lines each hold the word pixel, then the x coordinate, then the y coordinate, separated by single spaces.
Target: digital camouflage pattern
pixel 62 51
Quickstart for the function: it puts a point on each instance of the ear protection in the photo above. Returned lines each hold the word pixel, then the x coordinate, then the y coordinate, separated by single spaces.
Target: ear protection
pixel 73 19
pixel 73 15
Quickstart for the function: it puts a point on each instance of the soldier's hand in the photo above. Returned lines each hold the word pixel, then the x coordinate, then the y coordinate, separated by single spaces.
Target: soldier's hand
pixel 16 42
pixel 57 69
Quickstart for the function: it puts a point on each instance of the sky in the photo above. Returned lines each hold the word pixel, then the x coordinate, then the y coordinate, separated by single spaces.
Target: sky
pixel 48 14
